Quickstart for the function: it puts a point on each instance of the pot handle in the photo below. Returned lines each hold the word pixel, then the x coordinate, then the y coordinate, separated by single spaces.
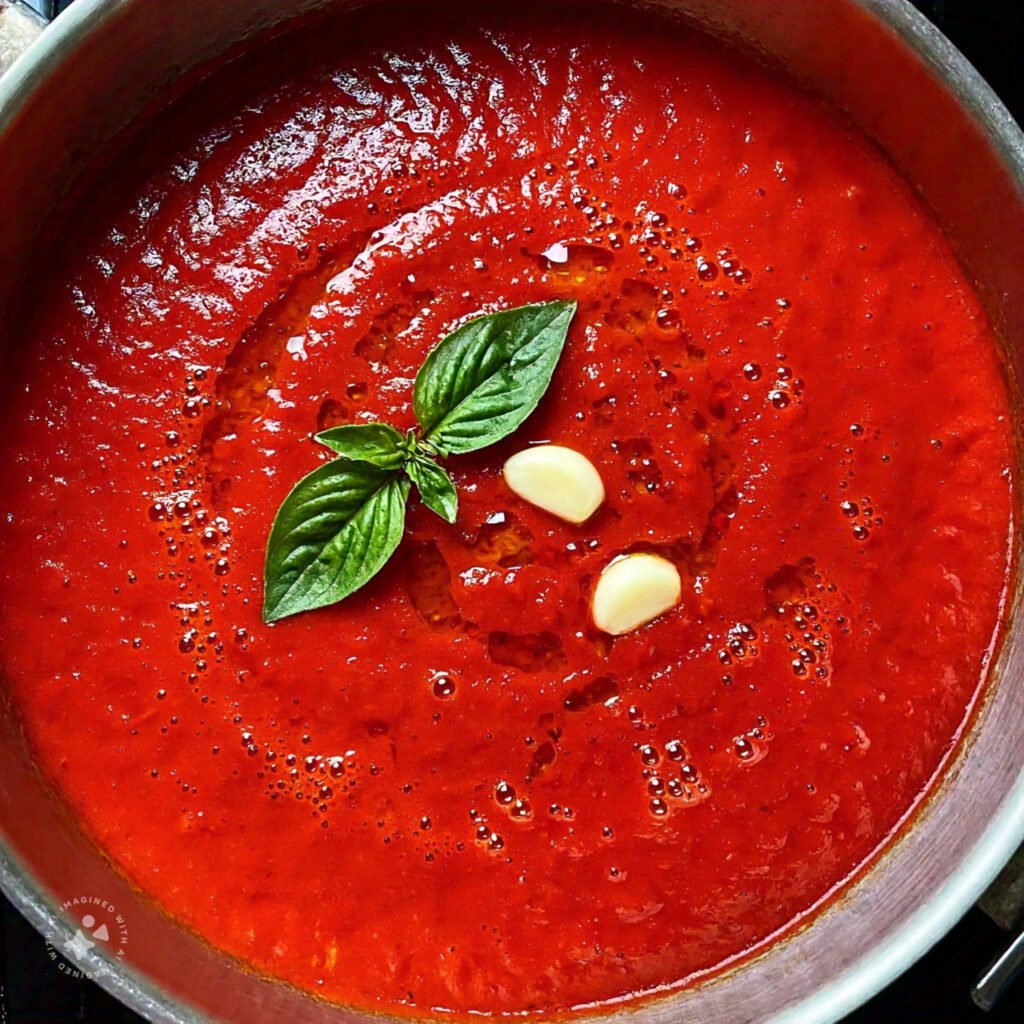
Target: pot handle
pixel 999 975
pixel 46 9
pixel 1004 904
pixel 21 22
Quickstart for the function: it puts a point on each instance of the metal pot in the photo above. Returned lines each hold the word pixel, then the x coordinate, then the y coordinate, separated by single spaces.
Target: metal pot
pixel 101 64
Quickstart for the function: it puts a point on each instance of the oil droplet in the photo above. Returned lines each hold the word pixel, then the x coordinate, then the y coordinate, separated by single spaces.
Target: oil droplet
pixel 648 755
pixel 543 758
pixel 577 262
pixel 429 584
pixel 504 793
pixel 634 307
pixel 706 270
pixel 521 810
pixel 602 690
pixel 528 652
pixel 667 319
pixel 504 541
pixel 744 748
pixel 443 686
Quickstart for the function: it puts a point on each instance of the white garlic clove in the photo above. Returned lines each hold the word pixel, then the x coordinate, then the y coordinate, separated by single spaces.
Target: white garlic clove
pixel 634 590
pixel 559 480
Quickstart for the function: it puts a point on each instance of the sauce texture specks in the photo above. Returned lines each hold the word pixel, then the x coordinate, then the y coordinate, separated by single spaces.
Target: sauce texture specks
pixel 450 791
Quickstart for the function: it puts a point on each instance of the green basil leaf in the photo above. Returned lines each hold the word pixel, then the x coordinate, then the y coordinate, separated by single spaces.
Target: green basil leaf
pixel 376 443
pixel 486 377
pixel 435 487
pixel 335 531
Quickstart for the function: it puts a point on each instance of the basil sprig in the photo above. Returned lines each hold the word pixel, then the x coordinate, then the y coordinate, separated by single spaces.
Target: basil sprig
pixel 340 524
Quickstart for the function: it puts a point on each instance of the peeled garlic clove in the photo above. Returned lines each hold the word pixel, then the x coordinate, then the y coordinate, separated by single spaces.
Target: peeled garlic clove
pixel 556 479
pixel 632 591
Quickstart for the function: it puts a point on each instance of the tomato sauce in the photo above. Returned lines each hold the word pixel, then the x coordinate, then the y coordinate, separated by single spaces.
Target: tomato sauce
pixel 449 791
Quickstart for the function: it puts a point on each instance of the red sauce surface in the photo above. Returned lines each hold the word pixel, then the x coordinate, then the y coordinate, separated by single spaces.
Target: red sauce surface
pixel 449 791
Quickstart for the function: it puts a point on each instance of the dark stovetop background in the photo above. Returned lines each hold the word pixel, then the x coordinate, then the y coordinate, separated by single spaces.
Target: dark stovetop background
pixel 936 990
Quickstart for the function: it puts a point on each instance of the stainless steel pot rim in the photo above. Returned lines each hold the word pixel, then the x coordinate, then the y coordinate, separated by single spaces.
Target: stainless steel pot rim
pixel 992 848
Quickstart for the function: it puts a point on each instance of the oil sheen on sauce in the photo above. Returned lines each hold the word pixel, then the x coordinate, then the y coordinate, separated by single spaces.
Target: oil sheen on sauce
pixel 448 791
